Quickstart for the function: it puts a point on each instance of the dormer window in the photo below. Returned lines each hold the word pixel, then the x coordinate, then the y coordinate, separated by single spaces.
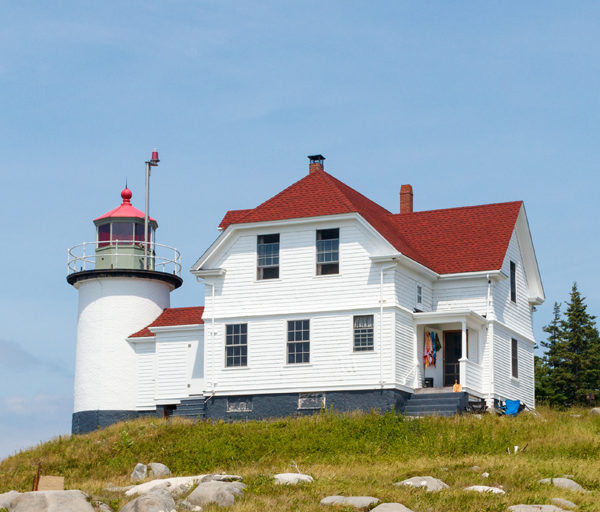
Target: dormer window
pixel 328 251
pixel 268 256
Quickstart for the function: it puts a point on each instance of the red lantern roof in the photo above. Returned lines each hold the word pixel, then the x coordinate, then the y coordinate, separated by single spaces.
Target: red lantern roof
pixel 125 210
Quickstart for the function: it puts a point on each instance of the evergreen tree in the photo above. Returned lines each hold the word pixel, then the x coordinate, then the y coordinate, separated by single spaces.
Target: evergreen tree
pixel 570 369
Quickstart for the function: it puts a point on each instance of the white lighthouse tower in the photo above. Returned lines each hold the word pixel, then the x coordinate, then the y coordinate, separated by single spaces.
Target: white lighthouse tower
pixel 124 280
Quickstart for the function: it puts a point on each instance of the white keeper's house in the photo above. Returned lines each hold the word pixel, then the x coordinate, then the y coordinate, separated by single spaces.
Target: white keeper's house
pixel 316 298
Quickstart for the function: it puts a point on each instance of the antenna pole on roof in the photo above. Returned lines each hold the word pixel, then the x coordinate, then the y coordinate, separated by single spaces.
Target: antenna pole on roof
pixel 153 162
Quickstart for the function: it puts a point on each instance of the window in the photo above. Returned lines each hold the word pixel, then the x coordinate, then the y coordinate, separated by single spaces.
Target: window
pixel 363 333
pixel 236 345
pixel 311 400
pixel 298 344
pixel 514 352
pixel 513 281
pixel 419 294
pixel 328 251
pixel 103 235
pixel 239 404
pixel 268 256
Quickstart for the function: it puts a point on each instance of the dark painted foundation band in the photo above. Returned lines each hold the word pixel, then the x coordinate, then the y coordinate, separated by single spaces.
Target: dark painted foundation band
pixel 275 405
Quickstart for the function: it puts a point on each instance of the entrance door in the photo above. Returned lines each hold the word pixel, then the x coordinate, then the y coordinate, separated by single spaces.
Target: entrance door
pixel 452 354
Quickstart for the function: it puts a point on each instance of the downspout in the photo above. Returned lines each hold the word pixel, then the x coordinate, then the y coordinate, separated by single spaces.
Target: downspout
pixel 381 272
pixel 209 353
pixel 491 341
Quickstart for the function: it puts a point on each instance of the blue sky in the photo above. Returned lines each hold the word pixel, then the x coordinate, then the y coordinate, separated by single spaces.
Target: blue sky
pixel 470 102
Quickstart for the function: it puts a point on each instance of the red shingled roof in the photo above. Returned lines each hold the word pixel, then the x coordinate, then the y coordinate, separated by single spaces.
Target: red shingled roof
pixel 173 316
pixel 467 239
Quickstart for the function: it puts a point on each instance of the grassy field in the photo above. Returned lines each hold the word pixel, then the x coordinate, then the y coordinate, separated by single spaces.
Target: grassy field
pixel 357 454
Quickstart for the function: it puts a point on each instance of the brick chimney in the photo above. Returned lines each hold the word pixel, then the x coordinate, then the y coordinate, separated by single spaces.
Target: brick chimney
pixel 316 163
pixel 406 199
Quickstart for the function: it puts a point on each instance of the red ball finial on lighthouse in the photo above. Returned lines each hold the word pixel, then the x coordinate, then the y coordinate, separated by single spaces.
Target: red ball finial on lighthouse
pixel 126 195
pixel 155 156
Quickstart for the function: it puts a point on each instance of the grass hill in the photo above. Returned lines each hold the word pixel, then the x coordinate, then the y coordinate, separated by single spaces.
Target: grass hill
pixel 356 454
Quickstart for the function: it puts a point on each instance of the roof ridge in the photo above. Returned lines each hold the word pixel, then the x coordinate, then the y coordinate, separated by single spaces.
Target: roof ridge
pixel 334 181
pixel 504 203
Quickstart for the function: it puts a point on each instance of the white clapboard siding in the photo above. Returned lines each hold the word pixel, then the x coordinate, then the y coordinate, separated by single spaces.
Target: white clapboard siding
pixel 298 288
pixel 406 282
pixel 517 315
pixel 506 386
pixel 333 363
pixel 145 361
pixel 172 368
pixel 407 371
pixel 467 294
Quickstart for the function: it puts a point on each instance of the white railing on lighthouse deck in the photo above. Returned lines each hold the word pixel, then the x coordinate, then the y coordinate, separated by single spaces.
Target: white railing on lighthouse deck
pixel 161 258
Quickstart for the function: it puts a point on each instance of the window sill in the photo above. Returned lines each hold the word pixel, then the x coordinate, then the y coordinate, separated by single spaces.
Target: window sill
pixel 297 365
pixel 363 352
pixel 327 276
pixel 268 280
pixel 515 379
pixel 231 368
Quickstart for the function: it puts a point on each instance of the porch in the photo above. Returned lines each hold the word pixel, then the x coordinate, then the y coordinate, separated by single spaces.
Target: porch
pixel 450 349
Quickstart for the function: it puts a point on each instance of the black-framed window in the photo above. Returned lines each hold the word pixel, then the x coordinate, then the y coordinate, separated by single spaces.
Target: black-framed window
pixel 236 345
pixel 419 294
pixel 514 356
pixel 363 333
pixel 298 341
pixel 513 281
pixel 267 250
pixel 328 251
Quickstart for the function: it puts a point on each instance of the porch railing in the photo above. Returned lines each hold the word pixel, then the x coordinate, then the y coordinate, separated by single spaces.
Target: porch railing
pixel 471 375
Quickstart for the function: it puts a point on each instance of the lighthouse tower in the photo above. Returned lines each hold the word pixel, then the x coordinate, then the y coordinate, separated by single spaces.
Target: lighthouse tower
pixel 124 280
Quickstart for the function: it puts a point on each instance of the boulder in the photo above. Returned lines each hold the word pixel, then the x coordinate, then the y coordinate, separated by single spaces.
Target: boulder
pixel 485 488
pixel 158 470
pixel 158 500
pixel 563 483
pixel 51 501
pixel 221 493
pixel 8 498
pixel 167 483
pixel 222 477
pixel 292 478
pixel 428 482
pixel 101 507
pixel 360 502
pixel 391 507
pixel 562 503
pixel 140 472
pixel 535 508
pixel 595 411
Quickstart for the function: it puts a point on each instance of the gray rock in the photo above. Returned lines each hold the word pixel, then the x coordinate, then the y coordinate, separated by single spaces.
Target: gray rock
pixel 360 502
pixel 428 482
pixel 51 501
pixel 156 501
pixel 391 507
pixel 8 498
pixel 595 411
pixel 221 493
pixel 562 503
pixel 101 507
pixel 485 488
pixel 485 474
pixel 222 477
pixel 477 469
pixel 157 470
pixel 140 472
pixel 292 478
pixel 563 483
pixel 535 508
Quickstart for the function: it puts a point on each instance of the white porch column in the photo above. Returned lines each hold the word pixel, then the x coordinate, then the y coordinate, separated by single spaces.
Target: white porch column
pixel 463 355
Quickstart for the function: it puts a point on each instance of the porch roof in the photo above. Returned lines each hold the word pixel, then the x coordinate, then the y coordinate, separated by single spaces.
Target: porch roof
pixel 468 316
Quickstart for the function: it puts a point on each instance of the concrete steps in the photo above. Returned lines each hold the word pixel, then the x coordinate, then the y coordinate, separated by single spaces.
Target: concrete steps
pixel 436 404
pixel 192 408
